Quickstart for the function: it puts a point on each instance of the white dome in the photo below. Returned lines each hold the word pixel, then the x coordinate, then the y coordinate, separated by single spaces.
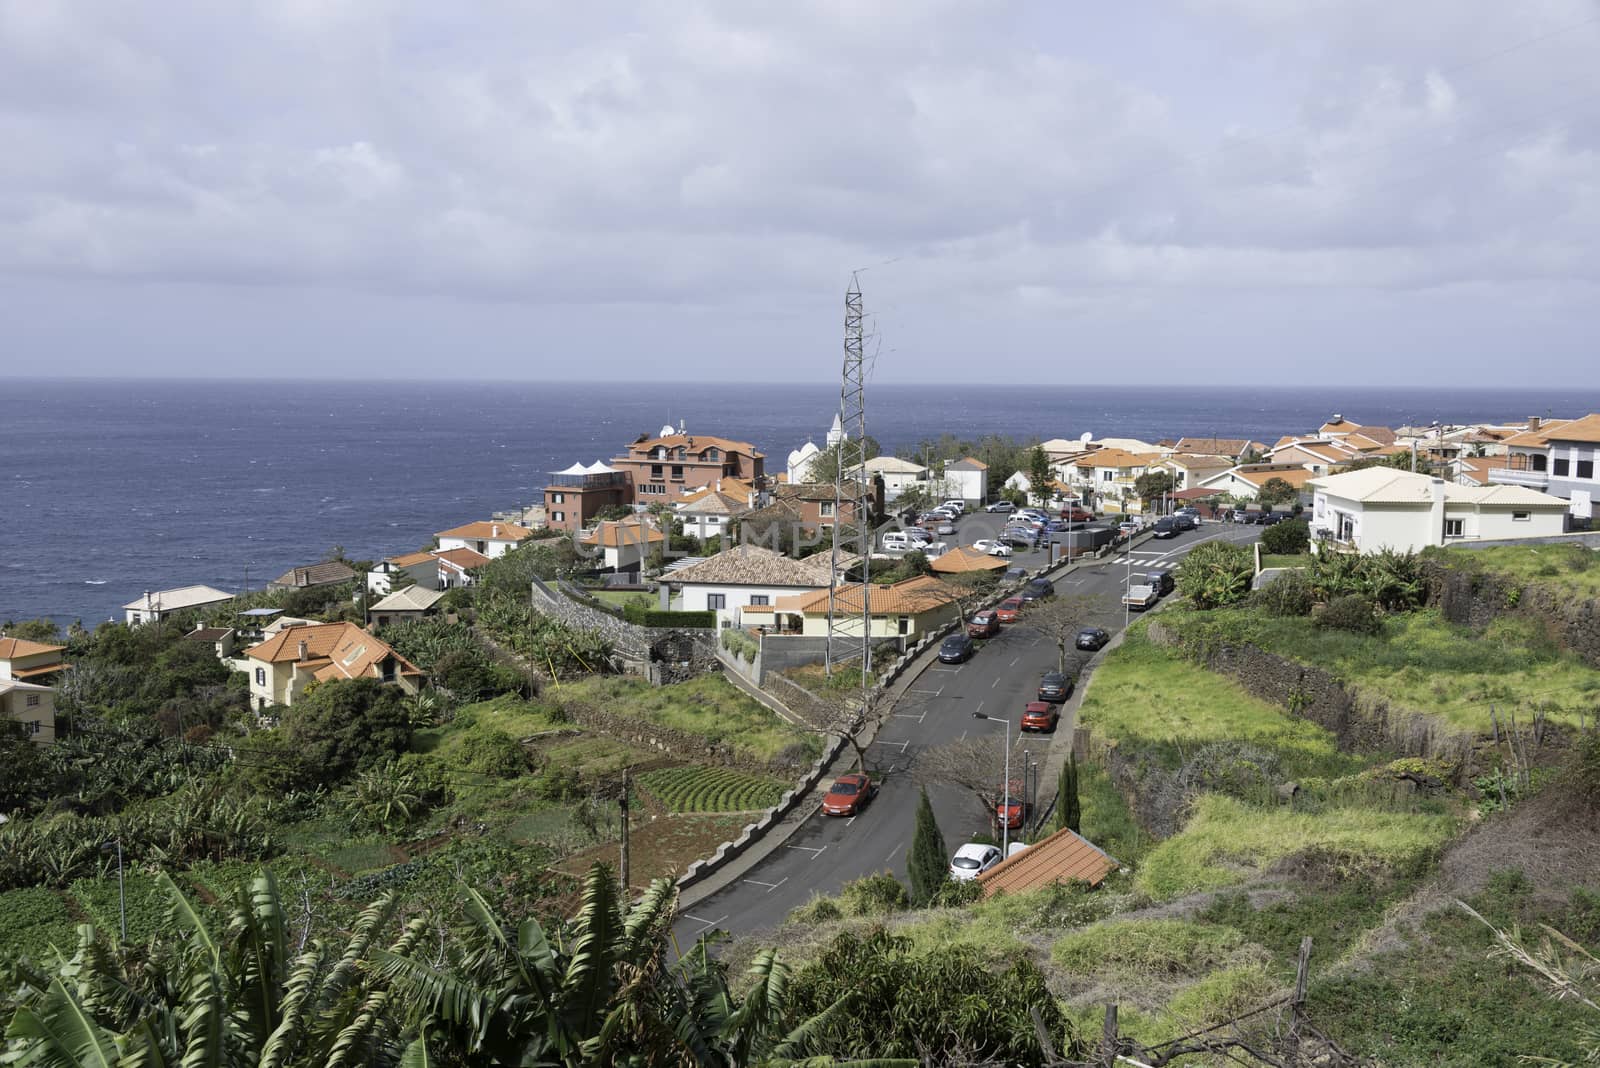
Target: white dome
pixel 666 431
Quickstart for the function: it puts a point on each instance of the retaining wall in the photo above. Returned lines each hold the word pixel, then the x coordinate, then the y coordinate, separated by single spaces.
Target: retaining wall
pixel 1474 599
pixel 666 655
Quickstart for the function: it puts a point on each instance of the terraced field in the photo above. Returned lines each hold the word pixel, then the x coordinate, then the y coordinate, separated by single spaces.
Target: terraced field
pixel 699 789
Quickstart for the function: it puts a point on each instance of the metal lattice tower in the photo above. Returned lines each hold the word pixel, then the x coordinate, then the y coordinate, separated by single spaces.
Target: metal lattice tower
pixel 848 633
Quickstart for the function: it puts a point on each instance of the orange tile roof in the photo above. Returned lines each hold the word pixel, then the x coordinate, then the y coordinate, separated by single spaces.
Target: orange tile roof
pixel 1063 857
pixel 487 531
pixel 1586 429
pixel 344 650
pixel 1114 457
pixel 906 598
pixel 11 648
pixel 963 559
pixel 1215 446
pixel 614 535
pixel 410 559
pixel 698 443
pixel 1259 475
pixel 465 559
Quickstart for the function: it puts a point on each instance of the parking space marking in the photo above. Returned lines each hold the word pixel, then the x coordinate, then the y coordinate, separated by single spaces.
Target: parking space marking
pixel 928 693
pixel 704 924
pixel 919 719
pixel 993 684
pixel 979 708
pixel 770 886
pixel 896 849
pixel 813 850
pixel 1014 661
pixel 902 745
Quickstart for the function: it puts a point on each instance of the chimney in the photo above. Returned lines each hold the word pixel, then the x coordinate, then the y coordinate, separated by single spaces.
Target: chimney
pixel 494 530
pixel 1533 422
pixel 305 650
pixel 1436 514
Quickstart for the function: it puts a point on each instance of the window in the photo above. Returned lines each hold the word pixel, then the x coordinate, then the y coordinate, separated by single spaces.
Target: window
pixel 135 619
pixel 481 546
pixel 1108 475
pixel 715 602
pixel 1585 468
pixel 1454 528
pixel 261 676
pixel 558 517
pixel 388 669
pixel 712 454
pixel 558 498
pixel 656 470
pixel 35 726
pixel 1538 461
pixel 904 624
pixel 33 700
pixel 825 509
pixel 681 453
pixel 1520 517
pixel 1560 465
pixel 760 598
pixel 677 472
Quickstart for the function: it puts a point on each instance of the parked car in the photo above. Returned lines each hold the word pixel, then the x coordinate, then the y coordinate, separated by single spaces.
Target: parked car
pixel 956 649
pixel 1190 511
pixel 985 624
pixel 1128 528
pixel 1037 590
pixel 945 526
pixel 959 507
pixel 1166 527
pixel 1012 814
pixel 1185 522
pixel 1039 716
pixel 1161 580
pixel 849 794
pixel 1014 574
pixel 1092 638
pixel 1074 513
pixel 1009 609
pixel 1269 518
pixel 895 541
pixel 1055 526
pixel 919 534
pixel 1028 539
pixel 972 860
pixel 1139 596
pixel 1054 686
pixel 1001 506
pixel 993 548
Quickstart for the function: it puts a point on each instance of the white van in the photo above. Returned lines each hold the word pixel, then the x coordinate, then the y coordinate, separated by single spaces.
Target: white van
pixel 959 506
pixel 895 541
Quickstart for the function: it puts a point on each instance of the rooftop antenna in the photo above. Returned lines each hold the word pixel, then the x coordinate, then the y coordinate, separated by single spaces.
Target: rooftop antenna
pixel 852 526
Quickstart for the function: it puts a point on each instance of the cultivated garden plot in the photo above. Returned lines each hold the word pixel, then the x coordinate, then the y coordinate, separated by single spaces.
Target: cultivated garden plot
pixel 699 789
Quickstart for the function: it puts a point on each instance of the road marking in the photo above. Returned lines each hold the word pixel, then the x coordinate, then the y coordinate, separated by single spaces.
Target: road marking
pixel 704 923
pixel 979 708
pixel 1014 661
pixel 919 719
pixel 902 745
pixel 928 693
pixel 849 821
pixel 897 849
pixel 813 850
pixel 963 737
pixel 993 684
pixel 770 886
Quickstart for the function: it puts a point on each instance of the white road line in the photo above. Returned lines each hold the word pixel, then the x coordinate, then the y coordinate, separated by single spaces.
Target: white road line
pixel 704 923
pixel 897 849
pixel 993 684
pixel 963 737
pixel 813 850
pixel 770 886
pixel 902 715
pixel 979 708
pixel 1014 661
pixel 902 745
pixel 849 821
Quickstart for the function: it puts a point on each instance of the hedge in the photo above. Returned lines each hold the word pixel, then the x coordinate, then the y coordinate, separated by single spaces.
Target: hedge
pixel 688 620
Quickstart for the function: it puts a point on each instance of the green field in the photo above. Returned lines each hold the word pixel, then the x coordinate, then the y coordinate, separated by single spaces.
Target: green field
pixel 1572 569
pixel 697 789
pixel 709 706
pixel 1285 560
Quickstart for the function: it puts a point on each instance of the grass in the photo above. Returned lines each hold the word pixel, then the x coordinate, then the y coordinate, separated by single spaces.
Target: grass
pixel 1106 819
pixel 1147 696
pixel 1227 841
pixel 622 598
pixel 699 789
pixel 1161 948
pixel 1422 663
pixel 1334 916
pixel 1285 560
pixel 710 707
pixel 1572 568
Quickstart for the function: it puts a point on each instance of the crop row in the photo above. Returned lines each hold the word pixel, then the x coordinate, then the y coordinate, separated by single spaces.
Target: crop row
pixel 699 789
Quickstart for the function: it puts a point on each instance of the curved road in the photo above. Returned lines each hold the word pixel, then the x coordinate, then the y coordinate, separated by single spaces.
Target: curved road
pixel 826 852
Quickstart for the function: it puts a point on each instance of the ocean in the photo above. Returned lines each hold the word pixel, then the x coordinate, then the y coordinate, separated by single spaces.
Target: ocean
pixel 117 487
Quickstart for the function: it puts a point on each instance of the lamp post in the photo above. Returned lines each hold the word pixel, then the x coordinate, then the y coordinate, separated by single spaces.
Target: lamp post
pixel 1005 805
pixel 122 893
pixel 1127 585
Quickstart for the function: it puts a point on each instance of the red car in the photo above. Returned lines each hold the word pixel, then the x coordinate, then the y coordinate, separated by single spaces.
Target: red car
pixel 848 795
pixel 1039 716
pixel 1009 610
pixel 985 624
pixel 1073 513
pixel 1010 814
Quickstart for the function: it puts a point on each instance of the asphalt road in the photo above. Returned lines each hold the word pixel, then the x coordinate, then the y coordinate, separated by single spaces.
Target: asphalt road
pixel 826 852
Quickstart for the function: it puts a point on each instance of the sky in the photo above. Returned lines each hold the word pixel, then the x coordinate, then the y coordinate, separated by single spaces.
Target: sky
pixel 1175 191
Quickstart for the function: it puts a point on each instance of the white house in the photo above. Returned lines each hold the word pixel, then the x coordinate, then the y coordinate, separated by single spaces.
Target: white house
pixel 707 513
pixel 1381 508
pixel 398 572
pixel 1558 457
pixel 1245 481
pixel 1107 476
pixel 898 475
pixel 490 539
pixel 967 478
pixel 31 705
pixel 800 459
pixel 622 545
pixel 745 576
pixel 153 607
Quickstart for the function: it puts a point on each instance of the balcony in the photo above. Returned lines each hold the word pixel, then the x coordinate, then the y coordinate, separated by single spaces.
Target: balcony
pixel 1519 476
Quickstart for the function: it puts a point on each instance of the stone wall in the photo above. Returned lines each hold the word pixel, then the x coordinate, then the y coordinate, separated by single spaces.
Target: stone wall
pixel 665 655
pixel 677 655
pixel 627 639
pixel 1474 599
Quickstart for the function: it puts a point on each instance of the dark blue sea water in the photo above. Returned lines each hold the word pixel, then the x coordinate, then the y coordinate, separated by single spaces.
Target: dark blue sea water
pixel 116 487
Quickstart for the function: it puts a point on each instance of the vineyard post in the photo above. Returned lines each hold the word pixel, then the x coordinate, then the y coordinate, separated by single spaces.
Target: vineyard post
pixel 623 852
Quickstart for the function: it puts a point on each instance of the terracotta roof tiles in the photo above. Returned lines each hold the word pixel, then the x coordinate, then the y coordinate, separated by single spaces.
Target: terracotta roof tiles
pixel 1062 857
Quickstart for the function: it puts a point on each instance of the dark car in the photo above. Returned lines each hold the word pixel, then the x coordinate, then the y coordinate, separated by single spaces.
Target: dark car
pixel 1055 526
pixel 1092 638
pixel 985 624
pixel 1161 580
pixel 1054 686
pixel 1184 522
pixel 1014 574
pixel 848 795
pixel 1166 527
pixel 1028 539
pixel 1269 518
pixel 1037 590
pixel 1039 716
pixel 955 649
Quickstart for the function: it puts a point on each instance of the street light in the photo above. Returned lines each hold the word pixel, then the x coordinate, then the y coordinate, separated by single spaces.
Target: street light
pixel 1005 806
pixel 122 892
pixel 1127 586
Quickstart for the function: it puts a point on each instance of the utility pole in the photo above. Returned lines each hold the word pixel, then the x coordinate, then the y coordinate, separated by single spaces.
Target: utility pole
pixel 850 487
pixel 622 860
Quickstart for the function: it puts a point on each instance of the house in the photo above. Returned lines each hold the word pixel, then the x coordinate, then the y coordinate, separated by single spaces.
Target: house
pixel 286 663
pixel 968 479
pixel 1359 436
pixel 32 705
pixel 1064 857
pixel 622 545
pixel 27 661
pixel 664 466
pixel 408 569
pixel 221 639
pixel 1105 478
pixel 575 495
pixel 455 567
pixel 1320 456
pixel 488 538
pixel 1556 457
pixel 745 576
pixel 1477 470
pixel 898 475
pixel 1381 508
pixel 154 607
pixel 813 503
pixel 1191 469
pixel 964 560
pixel 327 573
pixel 1063 451
pixel 1236 449
pixel 413 602
pixel 1125 444
pixel 707 513
pixel 908 609
pixel 1244 481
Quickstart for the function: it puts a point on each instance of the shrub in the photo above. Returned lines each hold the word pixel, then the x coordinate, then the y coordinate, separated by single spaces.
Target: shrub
pixel 493 753
pixel 1351 612
pixel 874 895
pixel 818 910
pixel 1216 573
pixel 657 618
pixel 1586 768
pixel 1287 538
pixel 1289 594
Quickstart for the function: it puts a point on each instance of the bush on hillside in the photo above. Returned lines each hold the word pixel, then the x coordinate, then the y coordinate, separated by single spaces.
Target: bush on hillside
pixel 1351 612
pixel 492 752
pixel 1290 594
pixel 1216 573
pixel 874 895
pixel 1287 539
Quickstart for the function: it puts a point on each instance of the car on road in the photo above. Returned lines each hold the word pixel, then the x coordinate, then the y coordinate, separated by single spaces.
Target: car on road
pixel 1009 609
pixel 972 860
pixel 1039 716
pixel 1161 580
pixel 1012 814
pixel 1055 686
pixel 993 548
pixel 1269 518
pixel 985 624
pixel 1037 590
pixel 1139 596
pixel 1055 526
pixel 1166 527
pixel 945 526
pixel 1074 513
pixel 955 649
pixel 849 794
pixel 1129 527
pixel 1016 573
pixel 1092 638
pixel 1001 506
pixel 1185 522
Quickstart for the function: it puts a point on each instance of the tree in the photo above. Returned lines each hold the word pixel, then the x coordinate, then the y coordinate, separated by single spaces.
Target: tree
pixel 914 499
pixel 1069 813
pixel 33 630
pixel 1039 474
pixel 1400 461
pixel 976 763
pixel 29 777
pixel 1216 573
pixel 1152 484
pixel 1288 538
pixel 612 513
pixel 340 727
pixel 824 466
pixel 1277 491
pixel 927 865
pixel 1060 619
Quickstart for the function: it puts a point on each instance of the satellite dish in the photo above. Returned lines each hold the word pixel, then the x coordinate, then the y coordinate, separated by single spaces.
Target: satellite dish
pixel 1086 437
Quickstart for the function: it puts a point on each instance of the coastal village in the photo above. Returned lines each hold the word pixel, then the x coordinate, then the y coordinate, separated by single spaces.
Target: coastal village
pixel 670 660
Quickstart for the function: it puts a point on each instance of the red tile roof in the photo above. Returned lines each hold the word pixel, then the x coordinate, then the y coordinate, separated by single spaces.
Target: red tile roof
pixel 486 531
pixel 1063 857
pixel 11 648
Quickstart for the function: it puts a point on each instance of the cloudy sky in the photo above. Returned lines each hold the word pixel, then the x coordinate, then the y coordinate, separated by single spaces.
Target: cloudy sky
pixel 1180 191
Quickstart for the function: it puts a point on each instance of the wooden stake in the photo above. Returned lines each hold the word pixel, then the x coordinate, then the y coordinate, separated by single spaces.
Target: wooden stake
pixel 1297 1004
pixel 1108 1037
pixel 627 895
